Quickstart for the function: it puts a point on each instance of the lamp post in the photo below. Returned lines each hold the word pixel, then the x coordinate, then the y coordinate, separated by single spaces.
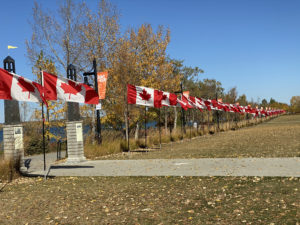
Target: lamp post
pixel 94 73
pixel 73 107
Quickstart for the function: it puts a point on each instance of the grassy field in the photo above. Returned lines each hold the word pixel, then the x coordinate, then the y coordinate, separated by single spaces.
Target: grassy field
pixel 155 200
pixel 170 200
pixel 279 137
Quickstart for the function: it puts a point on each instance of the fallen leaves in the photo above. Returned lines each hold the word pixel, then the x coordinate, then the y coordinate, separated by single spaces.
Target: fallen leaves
pixel 152 200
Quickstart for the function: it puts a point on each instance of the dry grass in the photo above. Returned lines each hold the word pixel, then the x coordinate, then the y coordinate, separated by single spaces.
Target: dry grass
pixel 9 170
pixel 170 200
pixel 276 138
pixel 113 141
pixel 152 200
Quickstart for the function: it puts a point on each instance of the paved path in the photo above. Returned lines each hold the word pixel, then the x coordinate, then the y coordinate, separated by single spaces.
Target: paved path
pixel 36 162
pixel 285 167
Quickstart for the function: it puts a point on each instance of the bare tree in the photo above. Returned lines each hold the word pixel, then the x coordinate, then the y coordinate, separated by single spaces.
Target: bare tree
pixel 101 34
pixel 58 34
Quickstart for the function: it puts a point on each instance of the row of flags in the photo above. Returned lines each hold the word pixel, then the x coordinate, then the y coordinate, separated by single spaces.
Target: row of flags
pixel 155 98
pixel 16 87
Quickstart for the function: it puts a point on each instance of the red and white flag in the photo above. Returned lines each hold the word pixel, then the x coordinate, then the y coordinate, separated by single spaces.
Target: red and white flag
pixel 196 103
pixel 68 90
pixel 169 99
pixel 182 104
pixel 15 87
pixel 144 96
pixel 200 103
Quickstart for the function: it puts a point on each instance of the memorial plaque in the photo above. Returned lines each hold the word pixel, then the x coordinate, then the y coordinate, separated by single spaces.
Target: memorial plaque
pixel 18 136
pixel 79 132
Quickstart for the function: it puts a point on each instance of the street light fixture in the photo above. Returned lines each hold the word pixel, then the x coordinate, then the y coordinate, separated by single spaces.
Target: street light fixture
pixel 85 75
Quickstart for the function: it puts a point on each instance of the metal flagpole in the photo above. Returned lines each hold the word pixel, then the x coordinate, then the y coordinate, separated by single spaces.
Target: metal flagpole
pixel 43 120
pixel 128 146
pixel 145 126
pixel 190 123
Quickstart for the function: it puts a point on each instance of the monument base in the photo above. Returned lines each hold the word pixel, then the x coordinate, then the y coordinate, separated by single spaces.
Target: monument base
pixel 13 144
pixel 75 142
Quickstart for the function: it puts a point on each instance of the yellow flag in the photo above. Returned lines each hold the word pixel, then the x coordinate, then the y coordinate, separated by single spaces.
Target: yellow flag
pixel 10 46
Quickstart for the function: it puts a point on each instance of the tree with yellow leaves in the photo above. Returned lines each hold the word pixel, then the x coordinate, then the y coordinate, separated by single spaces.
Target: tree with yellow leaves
pixel 56 109
pixel 139 59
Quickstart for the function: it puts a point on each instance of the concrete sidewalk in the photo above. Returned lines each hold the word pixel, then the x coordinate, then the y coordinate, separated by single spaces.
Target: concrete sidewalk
pixel 283 167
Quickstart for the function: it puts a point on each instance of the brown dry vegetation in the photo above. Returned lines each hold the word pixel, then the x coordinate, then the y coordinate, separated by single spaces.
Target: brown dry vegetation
pixel 170 200
pixel 113 141
pixel 279 137
pixel 8 170
pixel 153 200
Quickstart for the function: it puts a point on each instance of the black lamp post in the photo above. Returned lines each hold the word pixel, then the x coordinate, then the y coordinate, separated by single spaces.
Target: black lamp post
pixel 73 107
pixel 85 75
pixel 11 107
pixel 71 72
pixel 9 64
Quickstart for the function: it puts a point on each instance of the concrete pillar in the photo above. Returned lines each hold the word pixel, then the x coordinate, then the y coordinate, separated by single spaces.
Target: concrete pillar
pixel 75 142
pixel 13 143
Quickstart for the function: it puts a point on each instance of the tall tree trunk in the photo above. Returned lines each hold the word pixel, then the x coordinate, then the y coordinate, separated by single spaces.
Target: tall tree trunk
pixel 136 134
pixel 175 118
pixel 126 120
pixel 166 121
pixel 208 122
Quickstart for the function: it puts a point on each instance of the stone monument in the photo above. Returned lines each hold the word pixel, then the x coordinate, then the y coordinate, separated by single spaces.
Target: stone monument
pixel 12 129
pixel 74 127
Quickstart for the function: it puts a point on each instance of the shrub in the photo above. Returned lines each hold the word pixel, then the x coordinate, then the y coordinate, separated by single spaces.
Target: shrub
pixel 34 145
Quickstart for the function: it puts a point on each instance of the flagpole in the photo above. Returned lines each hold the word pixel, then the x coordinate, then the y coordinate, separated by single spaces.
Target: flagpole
pixel 190 123
pixel 145 126
pixel 43 120
pixel 159 128
pixel 127 128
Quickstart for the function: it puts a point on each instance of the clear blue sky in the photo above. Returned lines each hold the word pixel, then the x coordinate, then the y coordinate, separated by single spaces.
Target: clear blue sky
pixel 251 44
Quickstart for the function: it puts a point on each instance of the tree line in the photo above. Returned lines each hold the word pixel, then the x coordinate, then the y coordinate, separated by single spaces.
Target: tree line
pixel 76 34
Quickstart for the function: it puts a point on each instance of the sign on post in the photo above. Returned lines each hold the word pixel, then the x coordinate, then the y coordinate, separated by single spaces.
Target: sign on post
pixel 101 79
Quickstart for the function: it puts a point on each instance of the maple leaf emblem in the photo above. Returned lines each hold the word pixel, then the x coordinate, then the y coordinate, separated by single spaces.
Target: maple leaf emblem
pixel 145 95
pixel 161 95
pixel 71 88
pixel 26 86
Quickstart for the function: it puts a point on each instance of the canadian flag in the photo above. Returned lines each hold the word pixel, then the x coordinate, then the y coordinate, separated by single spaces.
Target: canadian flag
pixel 15 87
pixel 169 99
pixel 209 105
pixel 182 104
pixel 185 98
pixel 200 103
pixel 195 102
pixel 68 90
pixel 144 96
